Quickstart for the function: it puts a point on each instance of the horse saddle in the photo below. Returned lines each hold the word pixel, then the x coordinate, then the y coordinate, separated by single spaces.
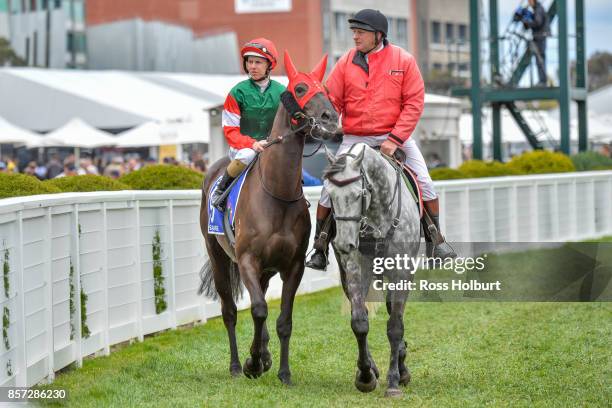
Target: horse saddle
pixel 222 223
pixel 409 178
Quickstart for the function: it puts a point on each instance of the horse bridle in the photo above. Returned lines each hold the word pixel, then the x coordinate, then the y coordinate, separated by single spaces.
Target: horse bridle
pixel 381 243
pixel 303 121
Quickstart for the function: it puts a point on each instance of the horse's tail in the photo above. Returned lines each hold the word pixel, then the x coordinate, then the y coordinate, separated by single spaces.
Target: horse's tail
pixel 207 282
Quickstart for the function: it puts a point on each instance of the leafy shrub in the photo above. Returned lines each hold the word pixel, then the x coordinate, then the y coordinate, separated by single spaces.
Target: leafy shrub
pixel 15 185
pixel 89 182
pixel 445 173
pixel 479 168
pixel 541 161
pixel 586 161
pixel 163 177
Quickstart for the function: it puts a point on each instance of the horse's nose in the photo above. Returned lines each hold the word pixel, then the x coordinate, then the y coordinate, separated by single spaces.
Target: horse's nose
pixel 326 116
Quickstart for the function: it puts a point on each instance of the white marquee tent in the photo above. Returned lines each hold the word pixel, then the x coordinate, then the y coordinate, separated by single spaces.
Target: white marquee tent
pixel 76 133
pixel 11 134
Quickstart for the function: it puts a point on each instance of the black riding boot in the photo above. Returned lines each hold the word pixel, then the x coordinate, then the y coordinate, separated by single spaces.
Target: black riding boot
pixel 436 246
pixel 318 260
pixel 216 197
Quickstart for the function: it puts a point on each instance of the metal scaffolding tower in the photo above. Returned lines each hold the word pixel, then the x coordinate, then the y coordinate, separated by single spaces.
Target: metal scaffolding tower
pixel 500 95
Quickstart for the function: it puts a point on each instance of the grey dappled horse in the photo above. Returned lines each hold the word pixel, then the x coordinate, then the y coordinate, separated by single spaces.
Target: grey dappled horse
pixel 369 198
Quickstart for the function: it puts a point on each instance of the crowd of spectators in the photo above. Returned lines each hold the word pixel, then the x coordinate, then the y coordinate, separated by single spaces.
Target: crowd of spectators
pixel 114 167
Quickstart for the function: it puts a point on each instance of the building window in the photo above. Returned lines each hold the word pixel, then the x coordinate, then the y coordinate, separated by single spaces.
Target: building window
pixel 435 32
pixel 58 3
pixel 437 66
pixel 342 29
pixel 15 6
pixel 451 67
pixel 77 43
pixel 79 12
pixel 402 32
pixel 463 67
pixel 450 33
pixel 462 33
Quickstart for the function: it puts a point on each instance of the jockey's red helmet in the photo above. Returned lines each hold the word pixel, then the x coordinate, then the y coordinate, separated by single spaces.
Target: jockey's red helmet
pixel 260 47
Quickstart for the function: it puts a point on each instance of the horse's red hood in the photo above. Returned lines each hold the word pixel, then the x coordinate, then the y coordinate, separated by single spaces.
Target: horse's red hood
pixel 313 80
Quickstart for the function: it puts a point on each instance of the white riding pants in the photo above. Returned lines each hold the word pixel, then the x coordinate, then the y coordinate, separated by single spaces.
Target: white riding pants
pixel 414 160
pixel 245 155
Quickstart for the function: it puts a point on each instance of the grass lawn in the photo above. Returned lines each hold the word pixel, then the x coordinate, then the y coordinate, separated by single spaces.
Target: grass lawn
pixel 460 354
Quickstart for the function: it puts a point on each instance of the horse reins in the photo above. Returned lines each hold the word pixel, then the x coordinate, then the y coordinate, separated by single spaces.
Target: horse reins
pixel 306 121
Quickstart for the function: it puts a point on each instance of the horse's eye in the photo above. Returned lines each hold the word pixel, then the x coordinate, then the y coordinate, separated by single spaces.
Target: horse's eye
pixel 301 89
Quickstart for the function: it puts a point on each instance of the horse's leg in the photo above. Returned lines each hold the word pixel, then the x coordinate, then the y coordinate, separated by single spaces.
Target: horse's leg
pixel 396 302
pixel 284 323
pixel 266 357
pixel 220 264
pixel 365 379
pixel 250 272
pixel 403 351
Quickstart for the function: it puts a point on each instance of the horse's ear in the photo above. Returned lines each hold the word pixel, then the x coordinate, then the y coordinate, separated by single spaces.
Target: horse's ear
pixel 319 71
pixel 289 67
pixel 357 162
pixel 330 157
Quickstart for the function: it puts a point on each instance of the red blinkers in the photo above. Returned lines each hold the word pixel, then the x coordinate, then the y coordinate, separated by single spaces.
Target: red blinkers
pixel 313 80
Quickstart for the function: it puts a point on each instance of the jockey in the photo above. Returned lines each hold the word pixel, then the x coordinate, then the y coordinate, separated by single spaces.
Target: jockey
pixel 248 111
pixel 378 89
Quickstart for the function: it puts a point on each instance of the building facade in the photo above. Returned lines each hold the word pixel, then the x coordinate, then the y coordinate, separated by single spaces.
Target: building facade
pixel 46 33
pixel 445 27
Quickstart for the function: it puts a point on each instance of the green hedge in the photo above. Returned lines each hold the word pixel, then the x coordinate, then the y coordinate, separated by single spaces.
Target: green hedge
pixel 479 168
pixel 16 185
pixel 86 183
pixel 535 162
pixel 541 161
pixel 163 177
pixel 586 161
pixel 445 173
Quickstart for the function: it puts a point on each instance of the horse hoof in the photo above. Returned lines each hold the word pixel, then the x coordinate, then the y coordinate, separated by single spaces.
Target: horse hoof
pixel 267 363
pixel 393 393
pixel 250 371
pixel 368 386
pixel 236 370
pixel 285 378
pixel 405 377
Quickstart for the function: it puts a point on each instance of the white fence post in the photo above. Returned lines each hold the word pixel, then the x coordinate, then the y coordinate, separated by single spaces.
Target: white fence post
pixel 171 272
pixel 76 264
pixel 22 361
pixel 49 276
pixel 139 326
pixel 105 279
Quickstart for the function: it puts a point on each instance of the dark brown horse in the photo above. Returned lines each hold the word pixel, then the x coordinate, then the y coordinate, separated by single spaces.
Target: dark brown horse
pixel 272 223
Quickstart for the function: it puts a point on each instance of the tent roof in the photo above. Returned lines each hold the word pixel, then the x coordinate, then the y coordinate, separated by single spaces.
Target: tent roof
pixel 600 101
pixel 10 133
pixel 77 133
pixel 156 134
pixel 44 99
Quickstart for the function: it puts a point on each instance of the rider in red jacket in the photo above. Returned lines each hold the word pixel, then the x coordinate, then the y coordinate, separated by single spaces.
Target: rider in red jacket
pixel 378 89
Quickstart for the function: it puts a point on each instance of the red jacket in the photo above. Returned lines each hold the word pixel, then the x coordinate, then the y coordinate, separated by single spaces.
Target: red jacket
pixel 389 98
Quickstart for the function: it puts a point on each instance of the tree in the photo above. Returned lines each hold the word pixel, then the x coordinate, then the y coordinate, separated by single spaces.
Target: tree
pixel 8 56
pixel 600 70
